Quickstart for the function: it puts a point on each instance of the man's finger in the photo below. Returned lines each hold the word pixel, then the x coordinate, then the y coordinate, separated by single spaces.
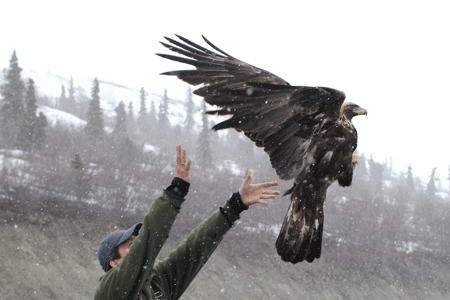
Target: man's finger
pixel 268 197
pixel 183 156
pixel 188 166
pixel 249 177
pixel 263 202
pixel 268 184
pixel 178 154
pixel 272 192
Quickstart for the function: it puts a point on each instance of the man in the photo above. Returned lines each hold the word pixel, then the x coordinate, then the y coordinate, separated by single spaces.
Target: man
pixel 129 256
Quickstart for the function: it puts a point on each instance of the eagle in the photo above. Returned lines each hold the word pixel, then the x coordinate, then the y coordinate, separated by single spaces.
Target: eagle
pixel 306 131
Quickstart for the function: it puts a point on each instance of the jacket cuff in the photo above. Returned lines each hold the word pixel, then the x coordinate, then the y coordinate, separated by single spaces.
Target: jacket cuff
pixel 233 208
pixel 178 187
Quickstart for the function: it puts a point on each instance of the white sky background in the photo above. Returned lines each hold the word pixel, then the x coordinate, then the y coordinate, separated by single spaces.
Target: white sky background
pixel 390 57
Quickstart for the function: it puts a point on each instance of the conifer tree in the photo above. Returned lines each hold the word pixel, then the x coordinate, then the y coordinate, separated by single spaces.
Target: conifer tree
pixel 130 118
pixel 12 95
pixel 94 126
pixel 142 121
pixel 63 99
pixel 39 135
pixel 80 178
pixel 152 114
pixel 143 107
pixel 204 152
pixel 120 129
pixel 431 186
pixel 32 128
pixel 71 103
pixel 163 112
pixel 376 175
pixel 410 179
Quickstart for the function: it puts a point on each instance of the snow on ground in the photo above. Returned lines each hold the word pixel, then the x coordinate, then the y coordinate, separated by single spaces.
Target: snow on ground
pixel 272 229
pixel 410 247
pixel 55 116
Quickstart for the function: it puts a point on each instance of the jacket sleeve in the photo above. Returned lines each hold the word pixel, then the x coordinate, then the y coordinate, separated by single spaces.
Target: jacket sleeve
pixel 127 279
pixel 176 272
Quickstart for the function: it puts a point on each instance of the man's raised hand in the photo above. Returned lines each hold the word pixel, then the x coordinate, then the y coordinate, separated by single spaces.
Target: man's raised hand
pixel 183 168
pixel 256 193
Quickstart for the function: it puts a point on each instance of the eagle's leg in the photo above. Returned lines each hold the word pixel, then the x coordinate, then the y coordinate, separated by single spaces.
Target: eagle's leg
pixel 355 158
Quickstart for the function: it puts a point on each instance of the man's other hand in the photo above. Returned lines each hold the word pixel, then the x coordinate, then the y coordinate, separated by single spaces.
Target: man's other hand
pixel 255 193
pixel 183 167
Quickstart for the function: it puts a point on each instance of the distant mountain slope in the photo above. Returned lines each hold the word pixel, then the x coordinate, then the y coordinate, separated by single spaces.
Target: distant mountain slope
pixel 56 116
pixel 111 93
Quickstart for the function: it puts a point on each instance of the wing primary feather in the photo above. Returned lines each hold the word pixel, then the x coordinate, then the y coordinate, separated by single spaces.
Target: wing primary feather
pixel 194 44
pixel 192 62
pixel 216 48
pixel 186 47
pixel 196 55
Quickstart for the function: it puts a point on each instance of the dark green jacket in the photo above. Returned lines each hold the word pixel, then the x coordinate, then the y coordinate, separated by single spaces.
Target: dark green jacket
pixel 138 277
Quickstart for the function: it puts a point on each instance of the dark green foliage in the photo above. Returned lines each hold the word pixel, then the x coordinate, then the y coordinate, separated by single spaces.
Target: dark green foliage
pixel 152 120
pixel 152 112
pixel 39 134
pixel 80 178
pixel 32 128
pixel 63 99
pixel 376 176
pixel 143 125
pixel 431 186
pixel 130 119
pixel 94 126
pixel 12 91
pixel 163 112
pixel 410 179
pixel 71 104
pixel 143 106
pixel 68 103
pixel 120 129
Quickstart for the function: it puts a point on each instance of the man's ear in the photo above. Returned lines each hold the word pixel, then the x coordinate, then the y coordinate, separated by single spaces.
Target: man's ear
pixel 114 263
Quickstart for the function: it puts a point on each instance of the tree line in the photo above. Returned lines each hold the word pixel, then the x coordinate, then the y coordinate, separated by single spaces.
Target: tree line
pixel 93 162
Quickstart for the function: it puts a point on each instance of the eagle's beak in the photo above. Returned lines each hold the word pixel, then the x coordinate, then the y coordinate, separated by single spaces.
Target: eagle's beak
pixel 360 111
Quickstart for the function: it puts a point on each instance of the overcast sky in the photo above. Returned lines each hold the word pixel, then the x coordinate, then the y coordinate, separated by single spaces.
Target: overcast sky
pixel 390 57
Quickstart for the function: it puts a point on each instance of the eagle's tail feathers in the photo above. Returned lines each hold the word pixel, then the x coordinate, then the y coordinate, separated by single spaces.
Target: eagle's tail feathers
pixel 300 237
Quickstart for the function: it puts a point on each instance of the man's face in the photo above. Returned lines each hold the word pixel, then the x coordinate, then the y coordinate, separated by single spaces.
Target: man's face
pixel 123 250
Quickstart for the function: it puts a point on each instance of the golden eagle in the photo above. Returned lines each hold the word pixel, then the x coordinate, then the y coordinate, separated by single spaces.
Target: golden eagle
pixel 306 131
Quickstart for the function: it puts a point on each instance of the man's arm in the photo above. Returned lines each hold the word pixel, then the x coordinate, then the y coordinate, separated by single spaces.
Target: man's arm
pixel 129 276
pixel 176 272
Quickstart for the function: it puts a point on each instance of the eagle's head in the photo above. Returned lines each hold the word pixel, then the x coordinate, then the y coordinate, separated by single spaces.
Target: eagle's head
pixel 349 110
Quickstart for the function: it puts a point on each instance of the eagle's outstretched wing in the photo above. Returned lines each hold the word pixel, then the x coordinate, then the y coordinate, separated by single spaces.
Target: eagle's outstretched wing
pixel 306 131
pixel 283 119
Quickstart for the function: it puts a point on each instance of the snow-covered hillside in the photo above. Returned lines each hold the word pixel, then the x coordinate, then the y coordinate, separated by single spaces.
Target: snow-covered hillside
pixel 56 116
pixel 49 84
